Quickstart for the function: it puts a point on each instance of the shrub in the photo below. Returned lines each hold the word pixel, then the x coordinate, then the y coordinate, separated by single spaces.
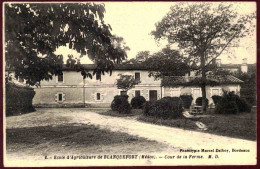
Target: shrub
pixel 187 100
pixel 199 101
pixel 120 104
pixel 226 107
pixel 167 107
pixel 216 99
pixel 138 102
pixel 242 105
pixel 18 99
pixel 226 104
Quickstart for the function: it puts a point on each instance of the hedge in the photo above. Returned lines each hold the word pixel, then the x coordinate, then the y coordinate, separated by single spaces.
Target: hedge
pixel 187 100
pixel 18 99
pixel 199 101
pixel 138 102
pixel 167 107
pixel 232 104
pixel 216 99
pixel 121 104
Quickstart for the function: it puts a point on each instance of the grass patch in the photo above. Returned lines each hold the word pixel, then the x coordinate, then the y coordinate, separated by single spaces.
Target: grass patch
pixel 238 126
pixel 134 112
pixel 74 138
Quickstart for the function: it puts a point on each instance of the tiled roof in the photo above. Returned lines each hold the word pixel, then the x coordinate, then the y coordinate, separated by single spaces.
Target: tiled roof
pixel 195 81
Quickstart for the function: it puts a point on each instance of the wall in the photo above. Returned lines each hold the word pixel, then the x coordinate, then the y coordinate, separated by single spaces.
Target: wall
pixel 209 91
pixel 73 88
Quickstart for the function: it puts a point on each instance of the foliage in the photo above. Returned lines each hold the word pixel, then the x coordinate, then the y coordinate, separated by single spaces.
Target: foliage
pixel 248 89
pixel 167 62
pixel 167 107
pixel 126 82
pixel 203 31
pixel 33 32
pixel 140 57
pixel 216 99
pixel 19 99
pixel 120 104
pixel 138 102
pixel 187 100
pixel 232 104
pixel 199 102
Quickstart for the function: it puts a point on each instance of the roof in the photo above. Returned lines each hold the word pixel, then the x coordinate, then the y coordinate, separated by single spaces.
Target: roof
pixel 213 80
pixel 230 66
pixel 116 67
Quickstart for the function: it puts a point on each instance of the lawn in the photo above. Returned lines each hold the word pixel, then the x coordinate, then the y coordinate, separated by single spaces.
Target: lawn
pixel 238 126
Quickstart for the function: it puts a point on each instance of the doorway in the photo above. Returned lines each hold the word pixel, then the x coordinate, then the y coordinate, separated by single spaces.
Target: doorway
pixel 152 95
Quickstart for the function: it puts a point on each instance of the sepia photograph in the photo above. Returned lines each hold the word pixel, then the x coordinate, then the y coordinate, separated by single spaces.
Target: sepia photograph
pixel 129 83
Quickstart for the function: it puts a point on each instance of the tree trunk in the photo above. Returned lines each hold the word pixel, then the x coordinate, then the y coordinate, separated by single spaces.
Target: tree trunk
pixel 203 85
pixel 204 106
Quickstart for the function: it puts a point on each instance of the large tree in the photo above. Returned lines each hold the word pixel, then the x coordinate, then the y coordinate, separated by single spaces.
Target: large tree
pixel 167 62
pixel 203 31
pixel 33 31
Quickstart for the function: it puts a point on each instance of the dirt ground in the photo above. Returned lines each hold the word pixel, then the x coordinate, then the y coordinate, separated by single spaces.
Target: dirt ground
pixel 77 131
pixel 49 132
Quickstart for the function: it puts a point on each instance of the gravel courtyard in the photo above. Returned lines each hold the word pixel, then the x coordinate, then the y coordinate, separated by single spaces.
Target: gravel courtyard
pixel 142 137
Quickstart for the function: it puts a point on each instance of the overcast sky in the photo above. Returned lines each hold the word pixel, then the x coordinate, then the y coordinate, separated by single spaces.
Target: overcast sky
pixel 135 20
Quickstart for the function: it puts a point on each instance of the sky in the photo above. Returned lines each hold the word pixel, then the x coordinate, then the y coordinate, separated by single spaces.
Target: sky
pixel 134 21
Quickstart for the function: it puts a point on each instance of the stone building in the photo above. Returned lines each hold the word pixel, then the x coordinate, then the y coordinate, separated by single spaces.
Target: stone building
pixel 71 90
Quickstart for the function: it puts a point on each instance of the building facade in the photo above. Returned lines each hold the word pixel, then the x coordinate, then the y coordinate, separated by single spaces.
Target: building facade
pixel 71 90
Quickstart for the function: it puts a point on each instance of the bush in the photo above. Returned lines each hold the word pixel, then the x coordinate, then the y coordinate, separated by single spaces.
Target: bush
pixel 120 104
pixel 167 107
pixel 226 104
pixel 242 105
pixel 199 101
pixel 138 102
pixel 18 99
pixel 187 100
pixel 226 107
pixel 216 99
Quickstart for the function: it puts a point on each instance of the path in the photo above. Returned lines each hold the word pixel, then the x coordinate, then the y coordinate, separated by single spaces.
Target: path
pixel 175 137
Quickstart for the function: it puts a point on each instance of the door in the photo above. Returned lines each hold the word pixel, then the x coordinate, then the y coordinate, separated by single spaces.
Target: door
pixel 152 95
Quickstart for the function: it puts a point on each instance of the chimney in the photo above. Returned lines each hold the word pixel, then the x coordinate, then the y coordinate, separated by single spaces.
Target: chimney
pixel 244 61
pixel 244 67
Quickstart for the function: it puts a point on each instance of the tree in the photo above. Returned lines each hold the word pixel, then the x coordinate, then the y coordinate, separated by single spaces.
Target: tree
pixel 167 62
pixel 203 32
pixel 139 58
pixel 126 82
pixel 33 31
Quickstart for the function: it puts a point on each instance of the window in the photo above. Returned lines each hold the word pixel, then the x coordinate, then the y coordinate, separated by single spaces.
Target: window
pixel 215 92
pixel 175 92
pixel 137 76
pixel 60 97
pixel 137 93
pixel 60 77
pixel 152 95
pixel 98 76
pixel 196 92
pixel 123 93
pixel 98 96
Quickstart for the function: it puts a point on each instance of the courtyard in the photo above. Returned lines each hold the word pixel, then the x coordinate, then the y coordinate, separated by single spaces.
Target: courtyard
pixel 54 132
